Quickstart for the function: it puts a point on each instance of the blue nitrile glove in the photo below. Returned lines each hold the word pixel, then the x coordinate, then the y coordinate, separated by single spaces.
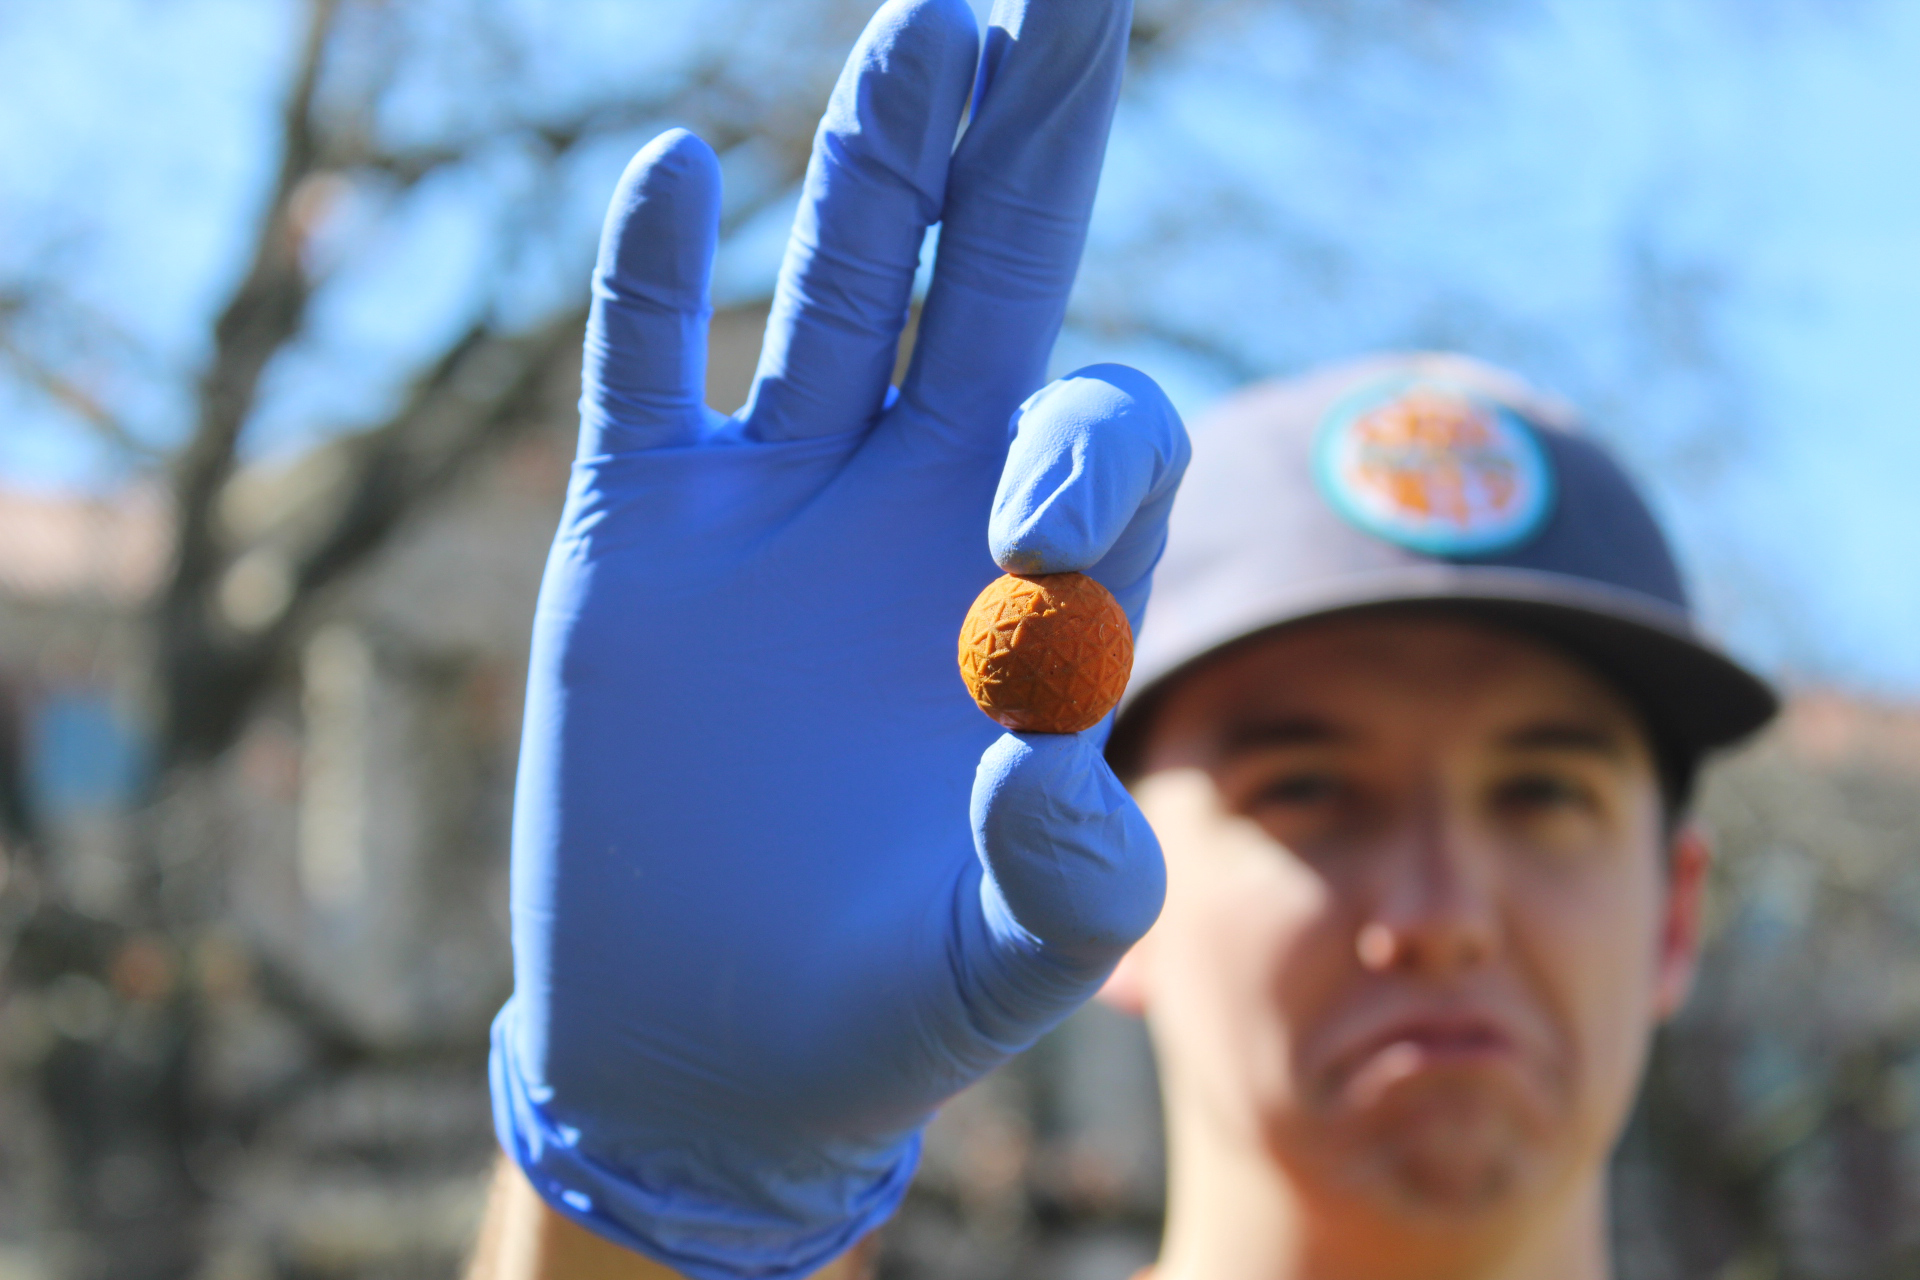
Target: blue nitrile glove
pixel 778 887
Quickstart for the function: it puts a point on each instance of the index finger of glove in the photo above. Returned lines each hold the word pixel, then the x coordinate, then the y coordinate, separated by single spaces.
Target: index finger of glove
pixel 1090 478
pixel 643 381
pixel 1019 194
pixel 876 181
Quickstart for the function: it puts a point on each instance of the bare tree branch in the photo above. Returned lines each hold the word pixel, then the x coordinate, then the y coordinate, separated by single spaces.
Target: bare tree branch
pixel 1205 348
pixel 354 150
pixel 211 668
pixel 266 310
pixel 77 400
pixel 488 386
pixel 1160 28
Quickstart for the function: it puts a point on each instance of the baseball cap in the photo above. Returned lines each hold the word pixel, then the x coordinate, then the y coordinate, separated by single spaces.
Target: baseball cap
pixel 1431 479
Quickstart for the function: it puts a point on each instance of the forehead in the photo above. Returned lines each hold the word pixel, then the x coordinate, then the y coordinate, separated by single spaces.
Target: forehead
pixel 1389 675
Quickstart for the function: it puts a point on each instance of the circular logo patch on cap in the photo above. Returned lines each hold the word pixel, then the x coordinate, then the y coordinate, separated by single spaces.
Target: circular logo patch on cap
pixel 1434 468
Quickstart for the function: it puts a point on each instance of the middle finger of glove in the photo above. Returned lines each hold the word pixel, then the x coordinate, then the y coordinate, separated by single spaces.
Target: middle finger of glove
pixel 1018 199
pixel 876 182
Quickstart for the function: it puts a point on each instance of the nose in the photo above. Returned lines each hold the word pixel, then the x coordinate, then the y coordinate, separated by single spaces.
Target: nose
pixel 1432 912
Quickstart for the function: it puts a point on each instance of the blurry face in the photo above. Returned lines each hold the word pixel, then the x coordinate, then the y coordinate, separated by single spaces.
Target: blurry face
pixel 1418 925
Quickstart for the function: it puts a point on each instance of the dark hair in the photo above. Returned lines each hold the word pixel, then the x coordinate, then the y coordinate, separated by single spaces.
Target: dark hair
pixel 1678 771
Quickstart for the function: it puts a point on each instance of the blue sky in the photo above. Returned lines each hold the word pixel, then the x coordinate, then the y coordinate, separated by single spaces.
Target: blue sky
pixel 1699 221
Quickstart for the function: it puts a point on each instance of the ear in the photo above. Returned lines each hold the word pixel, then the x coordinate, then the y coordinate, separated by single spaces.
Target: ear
pixel 1689 859
pixel 1126 986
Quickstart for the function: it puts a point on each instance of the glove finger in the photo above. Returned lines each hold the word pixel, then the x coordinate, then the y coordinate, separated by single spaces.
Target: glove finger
pixel 1019 195
pixel 1073 879
pixel 1090 478
pixel 643 383
pixel 876 181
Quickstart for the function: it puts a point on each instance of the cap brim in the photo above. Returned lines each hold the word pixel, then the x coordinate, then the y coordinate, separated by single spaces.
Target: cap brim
pixel 1694 695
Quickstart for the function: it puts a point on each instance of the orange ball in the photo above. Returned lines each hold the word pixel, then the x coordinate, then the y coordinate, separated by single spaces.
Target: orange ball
pixel 1046 654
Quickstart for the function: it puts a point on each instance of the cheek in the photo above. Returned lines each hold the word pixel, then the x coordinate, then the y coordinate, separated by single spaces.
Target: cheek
pixel 1588 947
pixel 1251 951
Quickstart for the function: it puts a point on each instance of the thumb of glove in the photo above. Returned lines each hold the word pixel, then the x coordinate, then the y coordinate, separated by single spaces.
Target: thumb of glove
pixel 1072 874
pixel 1073 878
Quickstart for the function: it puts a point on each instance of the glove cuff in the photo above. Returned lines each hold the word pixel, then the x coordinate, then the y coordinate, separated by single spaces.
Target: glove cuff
pixel 714 1210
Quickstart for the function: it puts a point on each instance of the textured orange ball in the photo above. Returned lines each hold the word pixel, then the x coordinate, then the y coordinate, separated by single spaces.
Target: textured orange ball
pixel 1046 654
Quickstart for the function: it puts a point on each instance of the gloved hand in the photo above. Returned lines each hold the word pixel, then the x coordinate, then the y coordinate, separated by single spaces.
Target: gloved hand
pixel 778 887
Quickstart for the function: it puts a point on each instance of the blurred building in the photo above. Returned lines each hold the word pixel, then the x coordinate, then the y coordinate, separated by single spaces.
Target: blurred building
pixel 358 831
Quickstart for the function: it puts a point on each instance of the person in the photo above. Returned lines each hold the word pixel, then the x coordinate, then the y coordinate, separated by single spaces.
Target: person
pixel 1415 720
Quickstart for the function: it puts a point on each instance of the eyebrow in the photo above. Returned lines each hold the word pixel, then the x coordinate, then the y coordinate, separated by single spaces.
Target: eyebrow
pixel 1567 735
pixel 1283 731
pixel 1311 731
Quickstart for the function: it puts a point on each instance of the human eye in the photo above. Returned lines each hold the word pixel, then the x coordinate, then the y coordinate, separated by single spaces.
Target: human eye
pixel 1541 793
pixel 1301 789
pixel 1299 799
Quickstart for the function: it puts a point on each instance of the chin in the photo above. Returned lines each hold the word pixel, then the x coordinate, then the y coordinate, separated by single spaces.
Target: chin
pixel 1458 1149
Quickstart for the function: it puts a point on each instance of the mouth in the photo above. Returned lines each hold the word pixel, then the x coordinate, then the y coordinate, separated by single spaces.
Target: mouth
pixel 1448 1037
pixel 1420 1045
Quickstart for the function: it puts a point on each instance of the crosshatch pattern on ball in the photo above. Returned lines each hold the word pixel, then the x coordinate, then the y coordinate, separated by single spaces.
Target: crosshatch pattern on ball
pixel 1046 654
